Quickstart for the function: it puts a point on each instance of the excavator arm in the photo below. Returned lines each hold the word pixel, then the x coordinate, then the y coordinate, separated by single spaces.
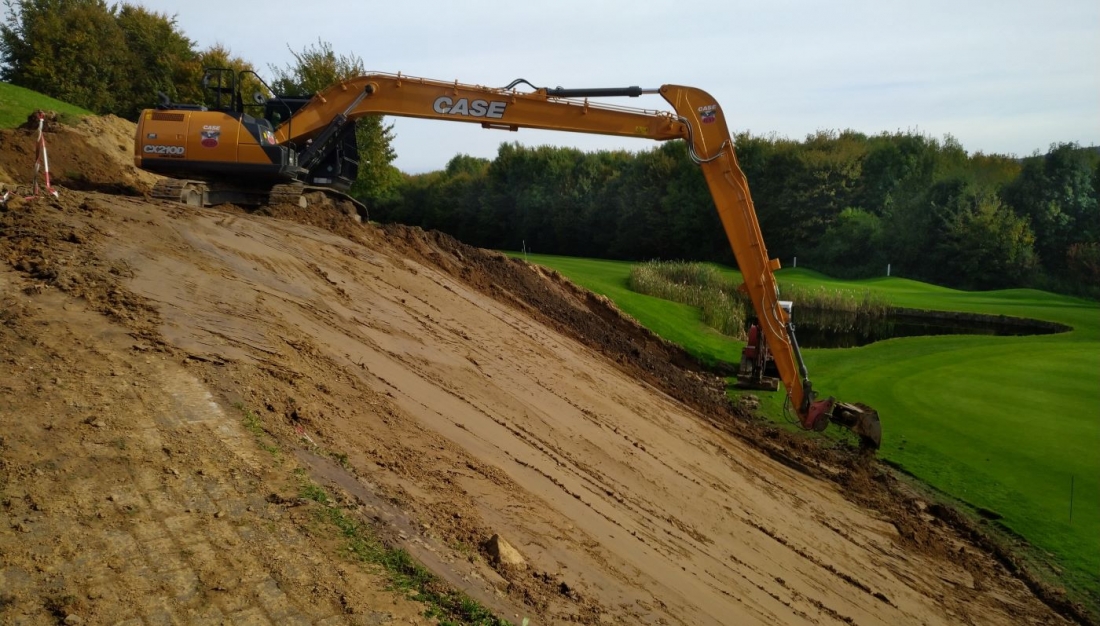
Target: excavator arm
pixel 504 109
pixel 696 117
pixel 711 146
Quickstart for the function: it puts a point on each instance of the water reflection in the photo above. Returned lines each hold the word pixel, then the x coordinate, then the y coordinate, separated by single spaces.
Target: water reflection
pixel 842 329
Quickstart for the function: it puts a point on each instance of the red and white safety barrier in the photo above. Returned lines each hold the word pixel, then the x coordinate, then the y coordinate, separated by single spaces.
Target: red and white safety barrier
pixel 41 165
pixel 41 160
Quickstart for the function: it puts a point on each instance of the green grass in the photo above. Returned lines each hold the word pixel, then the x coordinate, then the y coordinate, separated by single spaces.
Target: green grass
pixel 16 103
pixel 678 323
pixel 450 607
pixel 252 423
pixel 1001 423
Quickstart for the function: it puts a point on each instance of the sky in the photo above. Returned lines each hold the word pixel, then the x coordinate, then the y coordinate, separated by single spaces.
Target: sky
pixel 1000 76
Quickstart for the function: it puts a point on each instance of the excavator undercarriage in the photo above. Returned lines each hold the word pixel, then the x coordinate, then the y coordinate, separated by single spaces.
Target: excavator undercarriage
pixel 198 193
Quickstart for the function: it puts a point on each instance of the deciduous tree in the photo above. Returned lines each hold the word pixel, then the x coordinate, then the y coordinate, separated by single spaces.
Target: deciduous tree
pixel 72 50
pixel 987 246
pixel 159 59
pixel 1057 191
pixel 108 59
pixel 317 67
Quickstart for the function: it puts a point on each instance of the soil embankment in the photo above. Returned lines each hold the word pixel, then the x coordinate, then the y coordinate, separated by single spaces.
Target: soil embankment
pixel 445 394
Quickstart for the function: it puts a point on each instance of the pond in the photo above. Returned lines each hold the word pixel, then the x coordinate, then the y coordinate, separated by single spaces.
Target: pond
pixel 842 329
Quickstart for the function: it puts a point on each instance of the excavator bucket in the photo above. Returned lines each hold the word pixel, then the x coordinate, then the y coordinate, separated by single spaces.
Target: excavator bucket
pixel 861 420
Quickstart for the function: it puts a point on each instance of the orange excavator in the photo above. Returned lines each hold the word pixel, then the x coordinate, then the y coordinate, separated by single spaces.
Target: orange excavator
pixel 225 154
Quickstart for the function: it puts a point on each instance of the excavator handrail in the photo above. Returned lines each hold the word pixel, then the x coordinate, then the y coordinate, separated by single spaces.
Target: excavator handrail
pixel 511 90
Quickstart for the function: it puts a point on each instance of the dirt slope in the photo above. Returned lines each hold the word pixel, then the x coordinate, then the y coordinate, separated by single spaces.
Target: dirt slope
pixel 128 494
pixel 456 386
pixel 97 153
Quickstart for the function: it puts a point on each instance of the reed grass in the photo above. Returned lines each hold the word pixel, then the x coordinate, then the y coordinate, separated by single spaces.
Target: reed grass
pixel 695 284
pixel 724 308
pixel 863 303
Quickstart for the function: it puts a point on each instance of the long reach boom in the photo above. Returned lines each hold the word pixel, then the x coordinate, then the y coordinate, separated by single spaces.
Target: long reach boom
pixel 311 133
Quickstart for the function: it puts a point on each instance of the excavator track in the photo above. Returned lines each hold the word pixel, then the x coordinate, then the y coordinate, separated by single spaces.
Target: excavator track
pixel 288 193
pixel 189 192
pixel 303 195
pixel 199 193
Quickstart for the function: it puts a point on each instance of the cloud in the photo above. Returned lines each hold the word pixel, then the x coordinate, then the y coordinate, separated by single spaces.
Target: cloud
pixel 1000 75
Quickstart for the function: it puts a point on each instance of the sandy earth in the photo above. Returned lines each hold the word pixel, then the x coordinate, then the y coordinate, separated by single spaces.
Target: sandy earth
pixel 467 395
pixel 97 153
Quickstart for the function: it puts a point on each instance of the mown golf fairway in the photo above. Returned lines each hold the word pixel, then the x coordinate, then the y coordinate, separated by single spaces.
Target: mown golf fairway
pixel 1007 424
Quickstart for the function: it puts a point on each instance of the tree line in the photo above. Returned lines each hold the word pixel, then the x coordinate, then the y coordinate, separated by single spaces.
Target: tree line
pixel 116 59
pixel 843 203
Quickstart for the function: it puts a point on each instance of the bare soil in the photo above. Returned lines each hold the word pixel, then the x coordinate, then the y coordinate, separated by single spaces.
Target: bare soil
pixel 444 394
pixel 97 153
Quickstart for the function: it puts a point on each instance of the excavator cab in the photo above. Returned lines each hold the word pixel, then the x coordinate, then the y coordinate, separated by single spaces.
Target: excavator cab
pixel 758 369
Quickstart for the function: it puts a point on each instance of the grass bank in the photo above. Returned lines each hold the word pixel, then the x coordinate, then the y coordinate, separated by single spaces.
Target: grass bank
pixel 16 103
pixel 1006 424
pixel 679 323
